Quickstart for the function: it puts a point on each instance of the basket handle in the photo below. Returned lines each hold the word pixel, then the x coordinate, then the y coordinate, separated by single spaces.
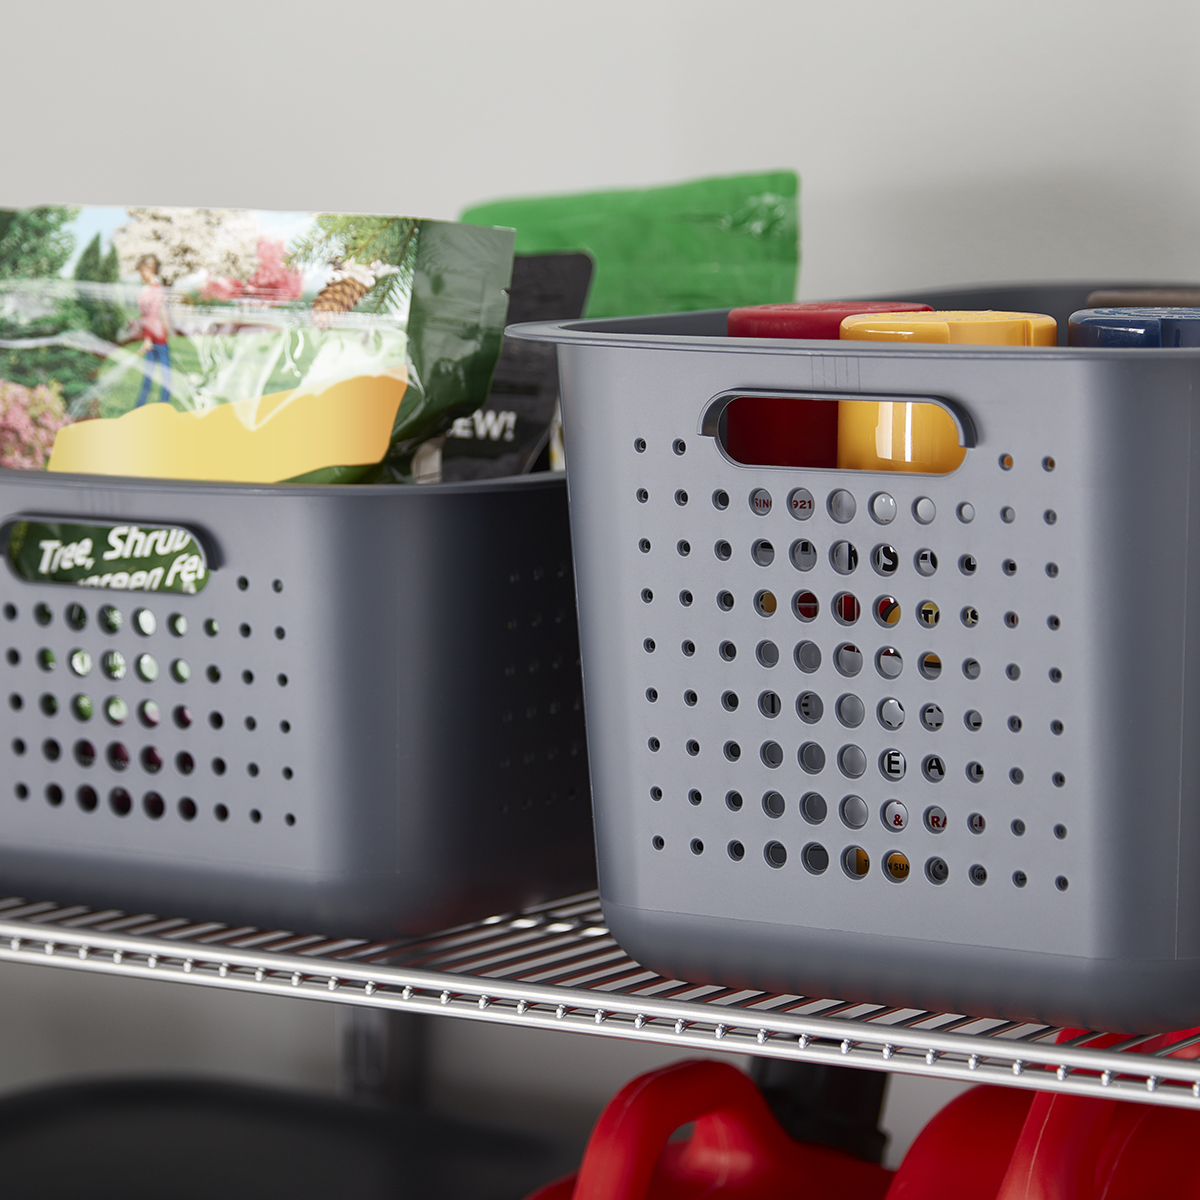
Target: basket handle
pixel 710 420
pixel 737 1143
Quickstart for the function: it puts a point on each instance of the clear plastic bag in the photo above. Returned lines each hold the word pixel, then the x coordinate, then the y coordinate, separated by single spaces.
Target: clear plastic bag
pixel 330 358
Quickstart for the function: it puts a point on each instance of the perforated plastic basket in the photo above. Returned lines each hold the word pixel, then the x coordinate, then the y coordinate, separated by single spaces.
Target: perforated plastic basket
pixel 369 720
pixel 1043 787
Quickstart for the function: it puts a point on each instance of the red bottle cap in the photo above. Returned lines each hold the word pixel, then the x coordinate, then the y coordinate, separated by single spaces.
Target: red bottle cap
pixel 821 319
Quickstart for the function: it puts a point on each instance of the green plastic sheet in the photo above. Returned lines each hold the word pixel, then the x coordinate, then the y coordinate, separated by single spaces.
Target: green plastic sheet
pixel 711 243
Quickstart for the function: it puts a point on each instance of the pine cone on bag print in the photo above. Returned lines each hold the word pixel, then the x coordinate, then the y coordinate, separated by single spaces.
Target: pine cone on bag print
pixel 349 284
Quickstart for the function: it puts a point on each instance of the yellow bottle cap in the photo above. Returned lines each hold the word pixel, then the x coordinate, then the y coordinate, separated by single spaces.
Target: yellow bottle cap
pixel 984 328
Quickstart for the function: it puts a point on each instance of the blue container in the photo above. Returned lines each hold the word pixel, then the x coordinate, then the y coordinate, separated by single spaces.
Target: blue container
pixel 1134 327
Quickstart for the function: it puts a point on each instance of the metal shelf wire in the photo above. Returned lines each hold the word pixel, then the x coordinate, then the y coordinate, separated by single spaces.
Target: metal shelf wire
pixel 555 966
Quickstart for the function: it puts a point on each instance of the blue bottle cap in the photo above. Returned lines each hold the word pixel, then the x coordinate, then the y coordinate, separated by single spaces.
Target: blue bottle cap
pixel 1134 327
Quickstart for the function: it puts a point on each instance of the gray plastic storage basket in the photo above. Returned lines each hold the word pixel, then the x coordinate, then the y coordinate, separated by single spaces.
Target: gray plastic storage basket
pixel 746 766
pixel 368 720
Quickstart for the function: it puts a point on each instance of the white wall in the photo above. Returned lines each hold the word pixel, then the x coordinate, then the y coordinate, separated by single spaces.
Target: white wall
pixel 942 142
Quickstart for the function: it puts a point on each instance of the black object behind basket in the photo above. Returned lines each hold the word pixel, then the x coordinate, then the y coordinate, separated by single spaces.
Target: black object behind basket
pixel 190 1139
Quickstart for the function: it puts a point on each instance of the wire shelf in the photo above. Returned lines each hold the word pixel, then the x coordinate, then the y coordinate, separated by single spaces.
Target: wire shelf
pixel 555 966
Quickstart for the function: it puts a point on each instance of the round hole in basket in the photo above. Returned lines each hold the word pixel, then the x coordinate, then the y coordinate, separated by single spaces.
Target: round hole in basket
pixel 813 808
pixel 806 606
pixel 937 870
pixel 803 554
pixel 846 608
pixel 815 858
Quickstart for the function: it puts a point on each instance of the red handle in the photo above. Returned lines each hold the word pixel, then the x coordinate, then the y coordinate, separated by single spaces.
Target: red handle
pixel 737 1147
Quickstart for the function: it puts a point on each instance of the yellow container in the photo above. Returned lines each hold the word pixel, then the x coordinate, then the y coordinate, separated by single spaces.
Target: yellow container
pixel 911 436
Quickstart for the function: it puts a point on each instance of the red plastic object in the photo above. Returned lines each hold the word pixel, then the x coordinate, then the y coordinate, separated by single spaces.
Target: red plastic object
pixel 778 431
pixel 965 1150
pixel 737 1151
pixel 1000 1144
pixel 813 319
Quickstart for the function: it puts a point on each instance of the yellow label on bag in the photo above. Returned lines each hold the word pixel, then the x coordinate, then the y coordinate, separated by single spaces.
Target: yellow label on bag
pixel 895 436
pixel 263 439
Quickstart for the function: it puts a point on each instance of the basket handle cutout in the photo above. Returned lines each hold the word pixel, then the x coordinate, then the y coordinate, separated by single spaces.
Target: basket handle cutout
pixel 839 431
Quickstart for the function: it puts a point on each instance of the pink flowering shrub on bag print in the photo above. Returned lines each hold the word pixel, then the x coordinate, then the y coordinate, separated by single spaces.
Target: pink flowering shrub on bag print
pixel 29 420
pixel 271 280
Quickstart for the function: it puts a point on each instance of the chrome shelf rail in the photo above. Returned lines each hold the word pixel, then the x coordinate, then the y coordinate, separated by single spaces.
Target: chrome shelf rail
pixel 555 966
